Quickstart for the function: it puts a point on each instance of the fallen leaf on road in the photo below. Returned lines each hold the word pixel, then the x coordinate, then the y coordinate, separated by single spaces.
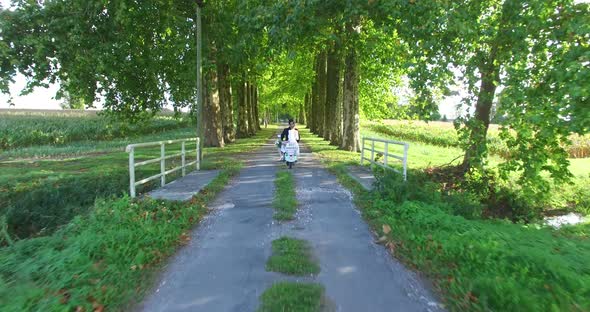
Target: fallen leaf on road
pixel 184 238
pixel 64 296
pixel 97 307
pixel 386 229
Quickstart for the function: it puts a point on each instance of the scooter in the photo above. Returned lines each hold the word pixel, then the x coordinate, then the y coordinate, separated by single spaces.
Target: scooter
pixel 290 154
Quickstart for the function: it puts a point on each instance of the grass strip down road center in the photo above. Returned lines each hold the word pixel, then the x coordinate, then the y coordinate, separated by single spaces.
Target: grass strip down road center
pixel 285 203
pixel 292 297
pixel 292 256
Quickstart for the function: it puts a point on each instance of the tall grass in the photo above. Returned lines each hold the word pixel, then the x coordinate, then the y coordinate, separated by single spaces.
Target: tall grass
pixel 92 147
pixel 24 130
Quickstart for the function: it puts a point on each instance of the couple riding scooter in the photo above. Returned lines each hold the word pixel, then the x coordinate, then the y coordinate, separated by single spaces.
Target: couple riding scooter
pixel 289 144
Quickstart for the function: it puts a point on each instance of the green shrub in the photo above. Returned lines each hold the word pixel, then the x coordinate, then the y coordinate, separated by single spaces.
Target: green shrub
pixel 496 266
pixel 467 205
pixel 577 231
pixel 37 205
pixel 418 187
pixel 57 200
pixel 474 196
pixel 575 196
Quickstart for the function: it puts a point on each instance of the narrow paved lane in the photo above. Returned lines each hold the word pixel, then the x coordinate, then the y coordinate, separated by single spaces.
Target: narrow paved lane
pixel 223 267
pixel 358 274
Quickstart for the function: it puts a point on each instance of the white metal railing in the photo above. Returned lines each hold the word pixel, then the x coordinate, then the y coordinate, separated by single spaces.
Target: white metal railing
pixel 162 159
pixel 386 154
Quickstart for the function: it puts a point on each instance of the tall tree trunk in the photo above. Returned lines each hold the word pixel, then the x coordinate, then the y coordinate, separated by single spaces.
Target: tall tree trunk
pixel 351 135
pixel 256 115
pixel 314 116
pixel 225 100
pixel 213 135
pixel 248 110
pixel 251 110
pixel 322 111
pixel 242 109
pixel 301 118
pixel 479 124
pixel 306 107
pixel 266 118
pixel 337 132
pixel 340 102
pixel 333 95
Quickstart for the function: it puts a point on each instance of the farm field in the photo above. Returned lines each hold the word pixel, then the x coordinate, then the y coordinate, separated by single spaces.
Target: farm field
pixel 425 153
pixel 443 134
pixel 25 129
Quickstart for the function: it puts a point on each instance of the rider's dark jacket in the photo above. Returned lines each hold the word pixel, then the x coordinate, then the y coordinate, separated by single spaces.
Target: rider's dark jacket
pixel 285 134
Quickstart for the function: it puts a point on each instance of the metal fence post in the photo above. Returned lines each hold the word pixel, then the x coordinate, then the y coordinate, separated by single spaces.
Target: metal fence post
pixel 132 173
pixel 198 154
pixel 362 150
pixel 182 157
pixel 162 164
pixel 406 147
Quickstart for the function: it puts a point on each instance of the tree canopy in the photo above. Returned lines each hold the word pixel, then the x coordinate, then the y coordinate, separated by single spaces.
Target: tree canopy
pixel 318 59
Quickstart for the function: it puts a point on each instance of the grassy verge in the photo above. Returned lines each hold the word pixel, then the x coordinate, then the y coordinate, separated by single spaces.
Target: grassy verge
pixel 476 265
pixel 285 202
pixel 103 260
pixel 38 196
pixel 292 256
pixel 292 297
